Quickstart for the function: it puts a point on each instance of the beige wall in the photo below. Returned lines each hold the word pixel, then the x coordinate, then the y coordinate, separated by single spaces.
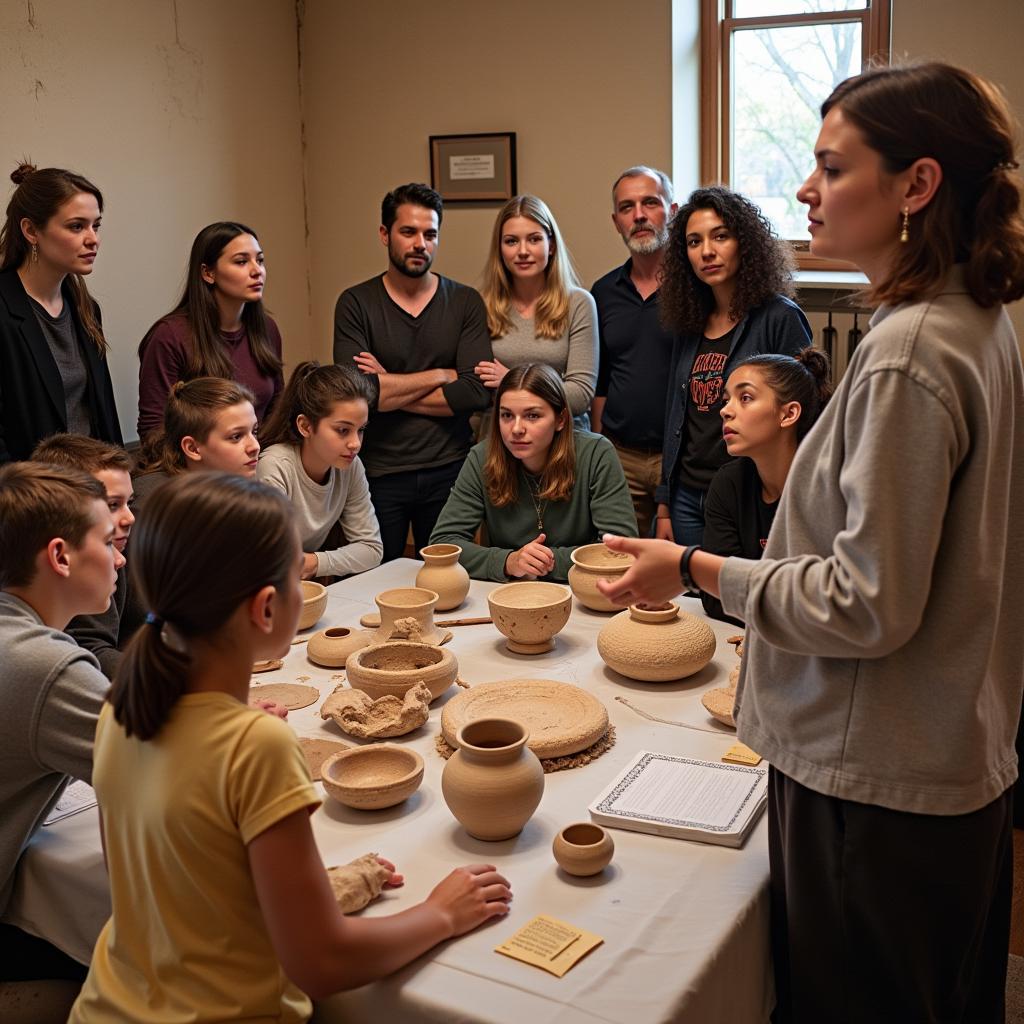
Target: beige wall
pixel 586 86
pixel 182 113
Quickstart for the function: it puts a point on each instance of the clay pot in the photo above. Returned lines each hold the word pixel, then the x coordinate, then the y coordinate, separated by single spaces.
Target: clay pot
pixel 443 574
pixel 583 849
pixel 394 667
pixel 369 778
pixel 314 601
pixel 493 782
pixel 656 644
pixel 530 614
pixel 407 613
pixel 593 562
pixel 331 647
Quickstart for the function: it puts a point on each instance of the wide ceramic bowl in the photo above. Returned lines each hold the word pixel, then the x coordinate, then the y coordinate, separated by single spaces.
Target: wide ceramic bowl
pixel 530 614
pixel 314 601
pixel 398 665
pixel 372 777
pixel 593 562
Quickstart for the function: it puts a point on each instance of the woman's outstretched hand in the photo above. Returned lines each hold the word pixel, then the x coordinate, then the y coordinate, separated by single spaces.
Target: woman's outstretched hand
pixel 471 895
pixel 652 579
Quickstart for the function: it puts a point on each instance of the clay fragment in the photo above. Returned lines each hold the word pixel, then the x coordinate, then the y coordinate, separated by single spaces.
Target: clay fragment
pixel 358 714
pixel 357 883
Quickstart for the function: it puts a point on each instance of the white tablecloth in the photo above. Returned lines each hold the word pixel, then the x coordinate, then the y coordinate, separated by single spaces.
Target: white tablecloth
pixel 685 924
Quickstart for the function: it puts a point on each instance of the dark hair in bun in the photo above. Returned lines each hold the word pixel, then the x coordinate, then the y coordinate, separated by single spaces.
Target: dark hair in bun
pixel 21 172
pixel 805 378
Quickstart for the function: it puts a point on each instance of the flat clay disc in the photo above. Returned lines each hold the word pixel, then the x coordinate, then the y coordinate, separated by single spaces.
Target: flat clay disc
pixel 317 751
pixel 371 620
pixel 560 718
pixel 292 695
pixel 267 666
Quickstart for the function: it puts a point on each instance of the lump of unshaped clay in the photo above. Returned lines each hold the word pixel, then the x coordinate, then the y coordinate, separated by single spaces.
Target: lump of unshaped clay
pixel 358 714
pixel 355 884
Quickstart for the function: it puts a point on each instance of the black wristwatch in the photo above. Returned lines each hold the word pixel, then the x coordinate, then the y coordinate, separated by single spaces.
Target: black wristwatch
pixel 684 567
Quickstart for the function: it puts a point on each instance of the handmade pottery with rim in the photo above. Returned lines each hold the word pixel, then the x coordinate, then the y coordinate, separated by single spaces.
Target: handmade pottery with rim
pixel 443 574
pixel 583 849
pixel 331 647
pixel 314 601
pixel 656 644
pixel 530 614
pixel 369 778
pixel 493 782
pixel 407 613
pixel 392 668
pixel 593 562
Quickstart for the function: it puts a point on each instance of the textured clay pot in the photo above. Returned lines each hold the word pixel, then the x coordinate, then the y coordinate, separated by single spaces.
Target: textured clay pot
pixel 593 562
pixel 314 601
pixel 331 647
pixel 656 644
pixel 493 782
pixel 372 777
pixel 583 849
pixel 407 613
pixel 443 574
pixel 394 667
pixel 530 614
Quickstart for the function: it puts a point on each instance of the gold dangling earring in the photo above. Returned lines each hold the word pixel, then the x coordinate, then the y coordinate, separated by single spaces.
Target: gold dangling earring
pixel 905 229
pixel 35 253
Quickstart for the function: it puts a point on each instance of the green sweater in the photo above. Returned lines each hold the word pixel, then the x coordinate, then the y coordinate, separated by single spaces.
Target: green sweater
pixel 599 504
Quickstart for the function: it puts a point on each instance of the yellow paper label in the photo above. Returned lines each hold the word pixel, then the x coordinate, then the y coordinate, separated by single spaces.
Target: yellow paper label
pixel 550 944
pixel 740 753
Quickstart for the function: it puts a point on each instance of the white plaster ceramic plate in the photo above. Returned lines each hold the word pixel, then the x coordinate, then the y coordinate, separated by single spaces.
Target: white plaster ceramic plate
pixel 560 718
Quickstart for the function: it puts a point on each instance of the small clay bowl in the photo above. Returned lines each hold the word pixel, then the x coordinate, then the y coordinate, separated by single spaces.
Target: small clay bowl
pixel 583 849
pixel 314 601
pixel 397 665
pixel 372 777
pixel 331 647
pixel 530 614
pixel 593 562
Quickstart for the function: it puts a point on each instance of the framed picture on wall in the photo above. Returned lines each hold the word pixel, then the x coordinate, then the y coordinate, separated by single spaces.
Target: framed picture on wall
pixel 474 168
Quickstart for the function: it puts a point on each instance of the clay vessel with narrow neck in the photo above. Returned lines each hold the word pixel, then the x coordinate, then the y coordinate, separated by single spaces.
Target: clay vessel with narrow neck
pixel 442 573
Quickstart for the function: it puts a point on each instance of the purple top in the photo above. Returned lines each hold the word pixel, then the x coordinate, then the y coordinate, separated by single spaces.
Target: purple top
pixel 164 361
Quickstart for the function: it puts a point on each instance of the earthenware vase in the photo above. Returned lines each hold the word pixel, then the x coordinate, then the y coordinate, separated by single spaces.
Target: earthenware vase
pixel 583 849
pixel 593 562
pixel 331 647
pixel 443 574
pixel 493 782
pixel 407 613
pixel 656 644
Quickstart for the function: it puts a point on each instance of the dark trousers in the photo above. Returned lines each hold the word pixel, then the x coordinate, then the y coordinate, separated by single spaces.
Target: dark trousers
pixel 414 498
pixel 881 915
pixel 24 957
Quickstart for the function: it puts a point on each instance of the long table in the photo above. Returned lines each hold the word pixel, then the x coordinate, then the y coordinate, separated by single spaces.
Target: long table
pixel 685 924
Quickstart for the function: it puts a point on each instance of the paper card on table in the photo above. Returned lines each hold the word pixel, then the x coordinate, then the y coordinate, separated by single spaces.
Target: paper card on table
pixel 78 796
pixel 550 944
pixel 740 753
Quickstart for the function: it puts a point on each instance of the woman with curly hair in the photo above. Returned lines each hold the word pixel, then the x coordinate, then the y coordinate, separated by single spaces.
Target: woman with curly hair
pixel 536 310
pixel 726 294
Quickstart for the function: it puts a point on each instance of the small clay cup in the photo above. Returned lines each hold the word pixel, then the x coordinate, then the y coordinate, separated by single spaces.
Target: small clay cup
pixel 443 574
pixel 583 849
pixel 372 777
pixel 530 614
pixel 593 562
pixel 398 665
pixel 314 601
pixel 331 647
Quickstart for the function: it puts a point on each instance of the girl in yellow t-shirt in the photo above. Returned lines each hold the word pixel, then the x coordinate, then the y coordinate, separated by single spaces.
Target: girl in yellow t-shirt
pixel 221 905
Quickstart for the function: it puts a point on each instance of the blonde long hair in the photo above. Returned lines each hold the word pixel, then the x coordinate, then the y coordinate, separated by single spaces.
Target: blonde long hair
pixel 552 313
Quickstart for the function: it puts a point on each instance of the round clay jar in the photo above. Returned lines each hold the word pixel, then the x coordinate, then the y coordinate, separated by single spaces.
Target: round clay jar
pixel 656 645
pixel 331 647
pixel 398 665
pixel 593 562
pixel 493 782
pixel 583 849
pixel 443 574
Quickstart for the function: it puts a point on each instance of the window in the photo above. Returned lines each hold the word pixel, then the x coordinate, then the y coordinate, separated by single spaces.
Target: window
pixel 766 68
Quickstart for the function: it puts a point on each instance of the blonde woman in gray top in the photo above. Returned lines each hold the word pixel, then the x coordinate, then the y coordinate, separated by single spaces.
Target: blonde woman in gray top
pixel 884 662
pixel 536 310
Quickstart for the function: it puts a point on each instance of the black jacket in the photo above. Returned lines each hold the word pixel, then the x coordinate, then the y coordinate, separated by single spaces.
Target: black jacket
pixel 32 404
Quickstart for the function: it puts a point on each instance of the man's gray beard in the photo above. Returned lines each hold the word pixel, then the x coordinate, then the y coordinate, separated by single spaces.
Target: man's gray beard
pixel 644 247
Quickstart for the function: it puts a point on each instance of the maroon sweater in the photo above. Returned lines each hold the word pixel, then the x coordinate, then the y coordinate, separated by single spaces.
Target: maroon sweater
pixel 164 361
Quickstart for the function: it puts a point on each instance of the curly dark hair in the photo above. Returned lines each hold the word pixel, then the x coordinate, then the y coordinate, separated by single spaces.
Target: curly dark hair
pixel 766 263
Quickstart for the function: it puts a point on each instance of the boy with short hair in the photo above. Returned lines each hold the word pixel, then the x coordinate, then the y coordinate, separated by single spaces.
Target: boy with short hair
pixel 104 634
pixel 57 560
